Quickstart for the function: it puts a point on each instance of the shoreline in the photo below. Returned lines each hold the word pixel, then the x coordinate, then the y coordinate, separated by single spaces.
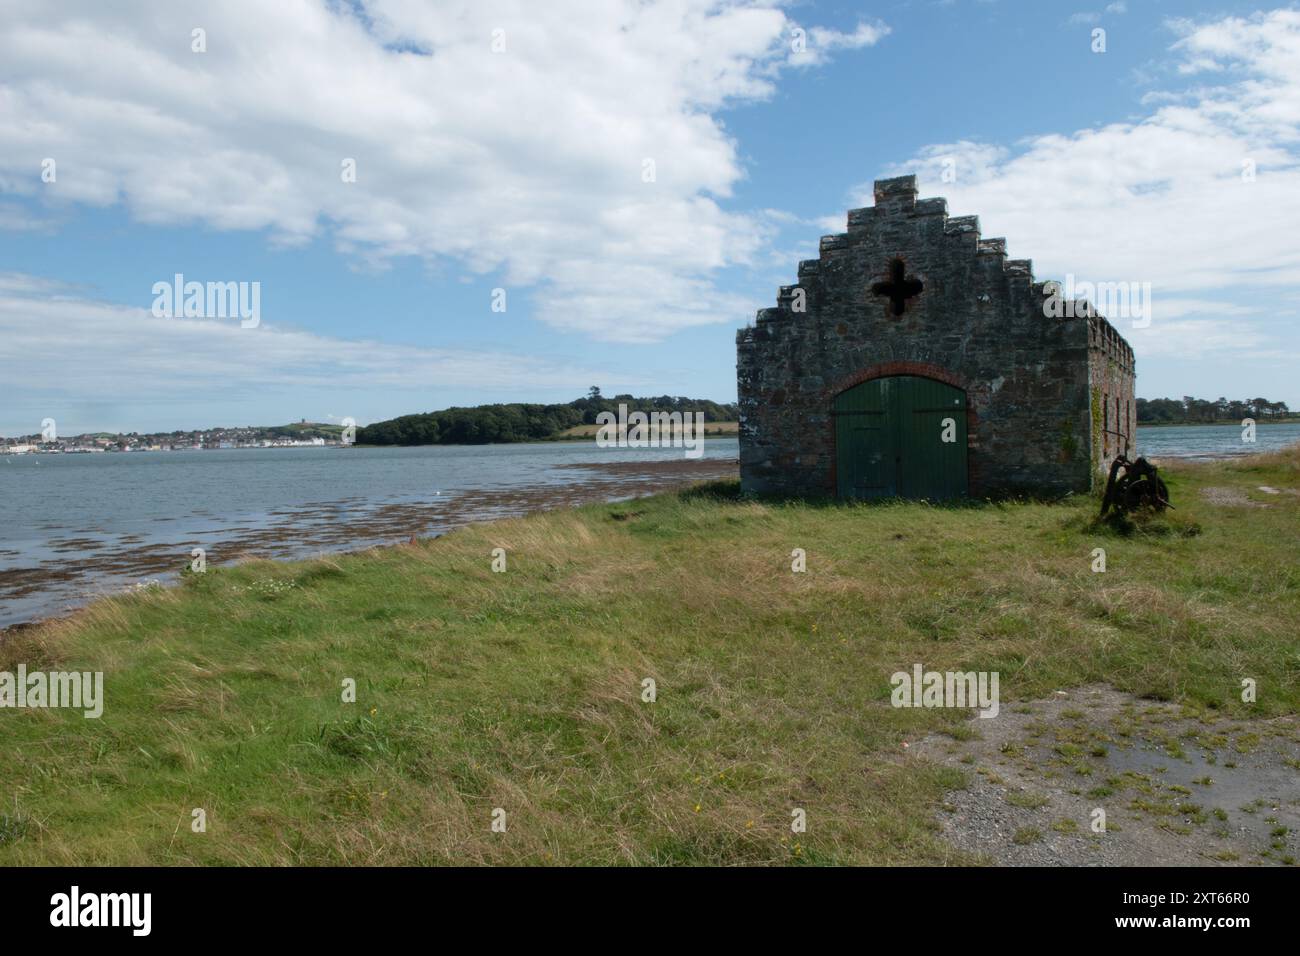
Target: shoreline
pixel 1233 423
pixel 1220 456
pixel 706 432
pixel 387 524
pixel 318 528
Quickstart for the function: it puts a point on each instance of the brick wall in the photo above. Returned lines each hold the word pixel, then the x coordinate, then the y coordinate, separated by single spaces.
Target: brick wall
pixel 977 323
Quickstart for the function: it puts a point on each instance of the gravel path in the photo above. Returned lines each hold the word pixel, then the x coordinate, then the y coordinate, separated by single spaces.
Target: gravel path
pixel 1175 790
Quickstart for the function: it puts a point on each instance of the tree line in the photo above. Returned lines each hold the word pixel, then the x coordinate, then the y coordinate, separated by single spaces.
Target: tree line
pixel 516 422
pixel 1189 410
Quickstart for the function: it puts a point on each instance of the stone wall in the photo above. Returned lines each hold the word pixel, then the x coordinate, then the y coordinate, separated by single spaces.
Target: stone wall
pixel 1114 407
pixel 977 323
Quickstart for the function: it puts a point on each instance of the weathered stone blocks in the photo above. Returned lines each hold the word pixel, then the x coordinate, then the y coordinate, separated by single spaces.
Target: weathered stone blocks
pixel 1049 400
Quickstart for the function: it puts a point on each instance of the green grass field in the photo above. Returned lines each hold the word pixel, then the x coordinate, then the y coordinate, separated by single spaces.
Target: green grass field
pixel 522 690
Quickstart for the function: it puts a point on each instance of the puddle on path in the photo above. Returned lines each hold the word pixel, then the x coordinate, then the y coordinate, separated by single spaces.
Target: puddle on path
pixel 1175 790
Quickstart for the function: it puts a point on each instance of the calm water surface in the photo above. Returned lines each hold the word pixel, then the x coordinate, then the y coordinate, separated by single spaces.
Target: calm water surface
pixel 1212 441
pixel 74 526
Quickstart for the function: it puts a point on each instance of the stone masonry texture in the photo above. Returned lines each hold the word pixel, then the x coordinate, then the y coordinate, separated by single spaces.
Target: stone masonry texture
pixel 1049 400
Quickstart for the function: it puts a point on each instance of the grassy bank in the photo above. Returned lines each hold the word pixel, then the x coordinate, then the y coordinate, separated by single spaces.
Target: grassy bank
pixel 711 430
pixel 522 690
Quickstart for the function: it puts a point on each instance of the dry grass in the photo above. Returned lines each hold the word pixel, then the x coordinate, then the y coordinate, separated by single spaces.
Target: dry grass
pixel 523 690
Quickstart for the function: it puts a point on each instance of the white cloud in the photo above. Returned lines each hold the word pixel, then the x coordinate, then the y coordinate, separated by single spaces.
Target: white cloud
pixel 14 218
pixel 823 41
pixel 1201 339
pixel 114 354
pixel 1092 16
pixel 1164 199
pixel 528 162
pixel 1175 308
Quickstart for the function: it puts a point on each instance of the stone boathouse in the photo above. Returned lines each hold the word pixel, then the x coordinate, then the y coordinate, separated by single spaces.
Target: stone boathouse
pixel 914 359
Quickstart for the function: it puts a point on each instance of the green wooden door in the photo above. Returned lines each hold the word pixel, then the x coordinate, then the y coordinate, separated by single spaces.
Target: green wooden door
pixel 902 436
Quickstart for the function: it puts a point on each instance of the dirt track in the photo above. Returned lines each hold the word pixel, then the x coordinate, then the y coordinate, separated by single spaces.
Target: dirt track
pixel 1176 791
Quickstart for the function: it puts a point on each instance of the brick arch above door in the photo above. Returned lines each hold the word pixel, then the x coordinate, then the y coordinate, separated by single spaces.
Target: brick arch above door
pixel 886 369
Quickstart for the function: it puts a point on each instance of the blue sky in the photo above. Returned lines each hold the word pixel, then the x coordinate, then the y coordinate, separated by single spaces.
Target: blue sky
pixel 522 168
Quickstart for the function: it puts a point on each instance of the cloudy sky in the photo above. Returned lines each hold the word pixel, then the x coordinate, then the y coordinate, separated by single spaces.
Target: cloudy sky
pixel 637 177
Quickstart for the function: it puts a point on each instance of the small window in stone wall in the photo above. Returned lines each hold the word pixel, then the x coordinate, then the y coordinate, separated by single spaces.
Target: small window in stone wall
pixel 1105 425
pixel 899 287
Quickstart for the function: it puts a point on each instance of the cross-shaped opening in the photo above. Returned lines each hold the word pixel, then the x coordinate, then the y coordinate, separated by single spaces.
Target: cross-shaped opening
pixel 898 287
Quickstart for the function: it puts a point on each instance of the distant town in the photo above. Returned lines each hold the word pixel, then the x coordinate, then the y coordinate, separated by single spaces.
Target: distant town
pixel 303 434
